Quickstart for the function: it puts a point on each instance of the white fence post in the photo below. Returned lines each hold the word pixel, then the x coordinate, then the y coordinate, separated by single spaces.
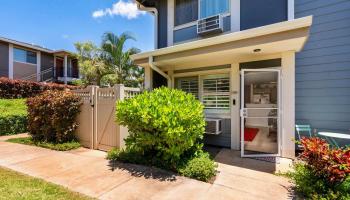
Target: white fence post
pixel 122 131
pixel 120 91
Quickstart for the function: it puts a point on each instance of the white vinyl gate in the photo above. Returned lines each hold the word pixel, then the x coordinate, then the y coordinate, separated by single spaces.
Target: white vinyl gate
pixel 97 127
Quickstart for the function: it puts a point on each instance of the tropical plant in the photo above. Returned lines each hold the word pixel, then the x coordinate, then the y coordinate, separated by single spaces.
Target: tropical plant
pixel 324 172
pixel 110 64
pixel 118 60
pixel 91 62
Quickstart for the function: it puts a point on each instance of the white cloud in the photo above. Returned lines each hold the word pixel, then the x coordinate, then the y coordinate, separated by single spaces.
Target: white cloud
pixel 125 9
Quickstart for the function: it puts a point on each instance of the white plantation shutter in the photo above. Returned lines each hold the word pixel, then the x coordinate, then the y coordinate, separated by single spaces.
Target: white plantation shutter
pixel 216 92
pixel 212 90
pixel 189 86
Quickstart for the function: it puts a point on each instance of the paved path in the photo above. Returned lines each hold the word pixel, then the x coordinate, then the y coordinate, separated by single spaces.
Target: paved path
pixel 86 171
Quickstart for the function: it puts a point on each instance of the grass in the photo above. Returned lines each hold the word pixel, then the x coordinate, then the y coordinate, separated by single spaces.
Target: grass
pixel 13 116
pixel 58 147
pixel 14 185
pixel 13 107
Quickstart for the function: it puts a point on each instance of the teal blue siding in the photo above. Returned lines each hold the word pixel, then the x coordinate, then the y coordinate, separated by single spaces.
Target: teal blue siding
pixel 323 67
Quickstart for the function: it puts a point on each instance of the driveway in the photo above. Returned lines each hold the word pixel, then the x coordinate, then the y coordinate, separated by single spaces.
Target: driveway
pixel 86 171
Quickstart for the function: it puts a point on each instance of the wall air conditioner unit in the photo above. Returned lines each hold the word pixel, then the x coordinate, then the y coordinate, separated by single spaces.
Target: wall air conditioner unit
pixel 213 127
pixel 210 25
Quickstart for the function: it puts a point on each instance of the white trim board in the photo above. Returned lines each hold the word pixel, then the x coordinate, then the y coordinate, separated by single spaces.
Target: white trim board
pixel 291 9
pixel 171 18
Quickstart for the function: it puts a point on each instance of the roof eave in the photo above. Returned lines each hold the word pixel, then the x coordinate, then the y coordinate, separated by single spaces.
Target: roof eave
pixel 230 37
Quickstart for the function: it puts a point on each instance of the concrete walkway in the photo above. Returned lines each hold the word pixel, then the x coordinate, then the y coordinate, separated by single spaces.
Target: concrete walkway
pixel 86 171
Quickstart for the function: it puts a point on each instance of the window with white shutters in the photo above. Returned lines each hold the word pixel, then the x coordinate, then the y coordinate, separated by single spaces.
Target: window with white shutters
pixel 189 85
pixel 216 92
pixel 212 90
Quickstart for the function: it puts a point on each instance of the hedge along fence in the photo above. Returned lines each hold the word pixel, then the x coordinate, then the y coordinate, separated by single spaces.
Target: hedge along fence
pixel 13 116
pixel 14 89
pixel 51 116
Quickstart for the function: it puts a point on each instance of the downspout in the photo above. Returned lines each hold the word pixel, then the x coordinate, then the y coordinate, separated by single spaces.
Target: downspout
pixel 154 12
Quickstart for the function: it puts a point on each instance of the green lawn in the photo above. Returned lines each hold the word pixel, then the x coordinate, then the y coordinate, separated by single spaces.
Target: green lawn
pixel 13 106
pixel 14 185
pixel 58 147
pixel 13 116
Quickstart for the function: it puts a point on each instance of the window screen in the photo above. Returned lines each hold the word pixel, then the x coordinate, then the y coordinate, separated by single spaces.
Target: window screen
pixel 216 92
pixel 185 11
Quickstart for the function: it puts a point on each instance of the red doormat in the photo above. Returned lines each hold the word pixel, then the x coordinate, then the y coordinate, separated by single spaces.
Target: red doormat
pixel 250 133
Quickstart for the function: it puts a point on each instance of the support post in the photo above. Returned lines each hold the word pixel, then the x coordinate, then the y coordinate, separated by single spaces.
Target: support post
pixel 54 67
pixel 170 80
pixel 235 106
pixel 148 78
pixel 65 66
pixel 38 66
pixel 10 75
pixel 288 104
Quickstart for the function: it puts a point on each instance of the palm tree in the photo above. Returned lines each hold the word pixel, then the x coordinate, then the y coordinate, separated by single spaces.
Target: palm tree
pixel 118 61
pixel 91 63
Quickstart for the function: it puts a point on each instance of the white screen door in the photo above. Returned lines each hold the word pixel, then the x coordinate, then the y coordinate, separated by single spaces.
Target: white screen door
pixel 260 112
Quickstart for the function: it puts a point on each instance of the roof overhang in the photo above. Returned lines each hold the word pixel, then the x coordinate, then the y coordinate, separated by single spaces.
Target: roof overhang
pixel 35 47
pixel 271 39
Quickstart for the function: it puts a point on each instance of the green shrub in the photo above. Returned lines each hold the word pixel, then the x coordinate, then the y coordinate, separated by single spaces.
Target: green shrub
pixel 51 116
pixel 200 167
pixel 166 123
pixel 13 116
pixel 307 182
pixel 315 187
pixel 66 146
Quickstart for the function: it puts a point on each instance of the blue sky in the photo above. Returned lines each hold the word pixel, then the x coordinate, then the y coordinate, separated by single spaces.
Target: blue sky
pixel 58 24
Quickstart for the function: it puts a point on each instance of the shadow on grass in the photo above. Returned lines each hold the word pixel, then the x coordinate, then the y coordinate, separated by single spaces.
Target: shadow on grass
pixel 143 171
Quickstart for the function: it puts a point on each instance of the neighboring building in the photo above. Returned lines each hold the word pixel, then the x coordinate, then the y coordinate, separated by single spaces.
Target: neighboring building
pixel 19 60
pixel 240 58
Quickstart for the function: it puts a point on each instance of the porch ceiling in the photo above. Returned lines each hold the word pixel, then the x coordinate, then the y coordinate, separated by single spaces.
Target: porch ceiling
pixel 271 39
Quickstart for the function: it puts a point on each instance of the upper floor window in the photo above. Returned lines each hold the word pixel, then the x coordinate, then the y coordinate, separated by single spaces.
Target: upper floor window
pixel 21 55
pixel 185 11
pixel 213 7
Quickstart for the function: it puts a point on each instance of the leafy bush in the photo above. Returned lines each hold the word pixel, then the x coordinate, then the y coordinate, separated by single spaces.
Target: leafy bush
pixel 51 116
pixel 13 116
pixel 200 167
pixel 66 146
pixel 324 172
pixel 332 164
pixel 13 89
pixel 166 123
pixel 166 128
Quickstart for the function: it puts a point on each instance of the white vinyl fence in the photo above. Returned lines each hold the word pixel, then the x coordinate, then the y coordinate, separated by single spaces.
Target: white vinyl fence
pixel 97 127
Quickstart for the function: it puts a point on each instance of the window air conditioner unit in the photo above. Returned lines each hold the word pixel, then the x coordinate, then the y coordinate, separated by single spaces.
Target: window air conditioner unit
pixel 210 25
pixel 213 127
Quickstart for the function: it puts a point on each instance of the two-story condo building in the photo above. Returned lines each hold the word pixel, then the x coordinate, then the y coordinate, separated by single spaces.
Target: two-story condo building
pixel 23 61
pixel 259 67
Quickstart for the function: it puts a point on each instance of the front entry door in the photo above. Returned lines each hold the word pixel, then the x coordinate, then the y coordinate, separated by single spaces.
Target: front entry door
pixel 260 112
